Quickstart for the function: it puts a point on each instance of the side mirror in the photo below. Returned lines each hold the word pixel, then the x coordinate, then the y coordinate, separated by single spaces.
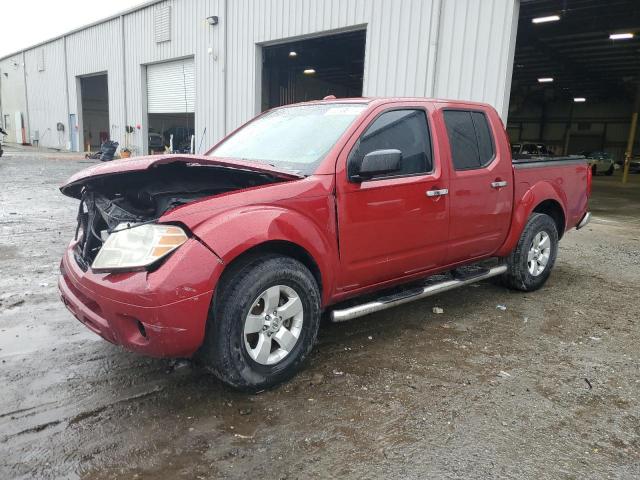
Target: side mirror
pixel 379 162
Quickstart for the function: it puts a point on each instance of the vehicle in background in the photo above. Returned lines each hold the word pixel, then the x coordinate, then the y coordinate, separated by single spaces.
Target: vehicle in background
pixel 156 141
pixel 181 138
pixel 344 206
pixel 532 149
pixel 600 162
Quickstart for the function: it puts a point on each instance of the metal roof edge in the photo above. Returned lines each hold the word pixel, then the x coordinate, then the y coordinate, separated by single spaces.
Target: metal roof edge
pixel 142 6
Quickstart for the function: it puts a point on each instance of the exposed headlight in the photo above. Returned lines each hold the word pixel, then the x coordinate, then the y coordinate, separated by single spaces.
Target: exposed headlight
pixel 137 247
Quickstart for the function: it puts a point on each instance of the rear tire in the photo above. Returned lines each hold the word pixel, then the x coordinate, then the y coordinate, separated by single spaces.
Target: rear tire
pixel 246 345
pixel 530 264
pixel 610 171
pixel 594 170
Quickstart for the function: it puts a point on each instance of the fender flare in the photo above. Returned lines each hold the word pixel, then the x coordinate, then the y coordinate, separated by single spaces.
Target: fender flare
pixel 234 232
pixel 540 192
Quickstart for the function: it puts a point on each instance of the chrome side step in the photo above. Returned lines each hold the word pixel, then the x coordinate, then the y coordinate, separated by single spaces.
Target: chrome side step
pixel 342 315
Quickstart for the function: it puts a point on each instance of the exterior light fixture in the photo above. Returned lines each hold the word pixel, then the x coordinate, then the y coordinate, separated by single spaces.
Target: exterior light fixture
pixel 620 36
pixel 293 54
pixel 309 71
pixel 550 18
pixel 212 20
pixel 545 80
pixel 579 99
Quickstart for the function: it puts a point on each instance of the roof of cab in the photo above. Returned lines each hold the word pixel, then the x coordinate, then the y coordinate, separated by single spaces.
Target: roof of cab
pixel 384 100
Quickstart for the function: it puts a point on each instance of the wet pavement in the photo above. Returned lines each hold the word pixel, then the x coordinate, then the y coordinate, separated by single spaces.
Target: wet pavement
pixel 547 388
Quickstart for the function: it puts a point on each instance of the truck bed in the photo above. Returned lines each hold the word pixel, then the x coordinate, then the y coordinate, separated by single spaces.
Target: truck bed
pixel 529 161
pixel 568 176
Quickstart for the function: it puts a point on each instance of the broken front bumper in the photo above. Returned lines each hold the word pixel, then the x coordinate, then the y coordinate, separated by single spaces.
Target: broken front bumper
pixel 161 313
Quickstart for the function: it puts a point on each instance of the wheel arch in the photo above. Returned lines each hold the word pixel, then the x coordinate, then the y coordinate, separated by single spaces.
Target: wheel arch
pixel 277 247
pixel 555 211
pixel 542 197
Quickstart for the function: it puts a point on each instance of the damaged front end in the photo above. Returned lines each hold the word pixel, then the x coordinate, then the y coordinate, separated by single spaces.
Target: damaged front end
pixel 121 200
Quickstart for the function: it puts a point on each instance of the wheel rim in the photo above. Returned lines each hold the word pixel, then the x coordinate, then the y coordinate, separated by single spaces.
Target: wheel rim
pixel 273 325
pixel 539 253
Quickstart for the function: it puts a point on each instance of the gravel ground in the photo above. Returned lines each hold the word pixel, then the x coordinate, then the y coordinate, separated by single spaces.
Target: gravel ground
pixel 547 388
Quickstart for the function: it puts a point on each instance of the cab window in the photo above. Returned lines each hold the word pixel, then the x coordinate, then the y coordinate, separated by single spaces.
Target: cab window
pixel 406 130
pixel 470 139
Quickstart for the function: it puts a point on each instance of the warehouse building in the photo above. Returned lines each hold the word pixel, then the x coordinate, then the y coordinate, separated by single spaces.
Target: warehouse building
pixel 194 70
pixel 203 67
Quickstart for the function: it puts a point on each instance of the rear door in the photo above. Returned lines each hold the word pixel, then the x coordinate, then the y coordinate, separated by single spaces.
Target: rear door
pixel 480 183
pixel 391 226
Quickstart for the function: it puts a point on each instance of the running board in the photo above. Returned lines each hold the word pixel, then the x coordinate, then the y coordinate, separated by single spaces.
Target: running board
pixel 390 301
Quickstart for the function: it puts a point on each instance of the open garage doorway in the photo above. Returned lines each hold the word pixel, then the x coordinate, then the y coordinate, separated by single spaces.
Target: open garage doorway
pixel 576 78
pixel 94 100
pixel 171 106
pixel 313 68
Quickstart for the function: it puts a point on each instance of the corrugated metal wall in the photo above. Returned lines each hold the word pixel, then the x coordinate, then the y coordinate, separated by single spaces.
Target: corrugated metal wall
pixel 12 91
pixel 47 109
pixel 446 48
pixel 469 42
pixel 98 49
pixel 191 36
pixel 475 51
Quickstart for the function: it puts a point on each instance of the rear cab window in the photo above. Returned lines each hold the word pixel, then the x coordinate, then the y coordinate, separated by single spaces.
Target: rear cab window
pixel 403 129
pixel 470 139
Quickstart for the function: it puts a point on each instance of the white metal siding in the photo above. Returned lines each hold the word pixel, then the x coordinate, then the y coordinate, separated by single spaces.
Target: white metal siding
pixel 98 49
pixel 171 87
pixel 191 36
pixel 470 50
pixel 475 51
pixel 46 109
pixel 447 48
pixel 12 90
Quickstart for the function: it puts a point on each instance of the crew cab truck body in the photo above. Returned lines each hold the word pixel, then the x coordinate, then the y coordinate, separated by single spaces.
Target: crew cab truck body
pixel 340 206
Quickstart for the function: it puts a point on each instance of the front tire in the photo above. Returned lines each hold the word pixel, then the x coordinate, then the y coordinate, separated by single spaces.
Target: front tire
pixel 264 323
pixel 530 264
pixel 610 171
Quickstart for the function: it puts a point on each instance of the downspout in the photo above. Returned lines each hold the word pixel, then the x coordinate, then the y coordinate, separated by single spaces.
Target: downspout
pixel 225 20
pixel 25 122
pixel 434 38
pixel 123 128
pixel 66 90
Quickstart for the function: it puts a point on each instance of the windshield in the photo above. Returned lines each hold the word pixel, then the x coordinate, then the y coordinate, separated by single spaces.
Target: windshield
pixel 294 138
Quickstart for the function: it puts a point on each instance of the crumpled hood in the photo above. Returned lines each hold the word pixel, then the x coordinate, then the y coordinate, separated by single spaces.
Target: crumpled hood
pixel 73 186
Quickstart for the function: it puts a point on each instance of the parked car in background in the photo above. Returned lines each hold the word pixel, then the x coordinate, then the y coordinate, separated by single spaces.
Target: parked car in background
pixel 347 206
pixel 634 165
pixel 181 138
pixel 156 141
pixel 600 162
pixel 533 149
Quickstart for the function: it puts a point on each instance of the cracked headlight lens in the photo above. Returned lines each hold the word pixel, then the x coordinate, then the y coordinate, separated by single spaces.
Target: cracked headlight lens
pixel 137 247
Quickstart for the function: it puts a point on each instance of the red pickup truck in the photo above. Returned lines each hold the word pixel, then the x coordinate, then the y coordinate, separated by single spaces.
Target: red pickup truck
pixel 339 206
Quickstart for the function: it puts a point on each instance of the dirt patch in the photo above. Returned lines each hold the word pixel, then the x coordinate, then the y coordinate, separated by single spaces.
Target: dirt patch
pixel 474 392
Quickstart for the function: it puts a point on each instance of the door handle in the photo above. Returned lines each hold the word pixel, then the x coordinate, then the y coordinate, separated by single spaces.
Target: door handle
pixel 437 193
pixel 499 184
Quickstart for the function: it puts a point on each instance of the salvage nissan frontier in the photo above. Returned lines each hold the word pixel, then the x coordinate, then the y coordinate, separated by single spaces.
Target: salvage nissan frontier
pixel 337 207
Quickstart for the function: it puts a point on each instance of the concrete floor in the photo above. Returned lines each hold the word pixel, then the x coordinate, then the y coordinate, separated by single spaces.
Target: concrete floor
pixel 548 388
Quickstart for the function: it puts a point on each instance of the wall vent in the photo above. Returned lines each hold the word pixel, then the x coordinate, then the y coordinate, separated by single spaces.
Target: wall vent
pixel 162 24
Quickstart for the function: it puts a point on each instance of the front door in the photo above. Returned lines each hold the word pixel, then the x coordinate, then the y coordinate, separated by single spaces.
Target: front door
pixel 481 187
pixel 390 226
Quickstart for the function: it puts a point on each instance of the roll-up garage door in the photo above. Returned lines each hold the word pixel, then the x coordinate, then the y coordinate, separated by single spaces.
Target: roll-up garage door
pixel 171 87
